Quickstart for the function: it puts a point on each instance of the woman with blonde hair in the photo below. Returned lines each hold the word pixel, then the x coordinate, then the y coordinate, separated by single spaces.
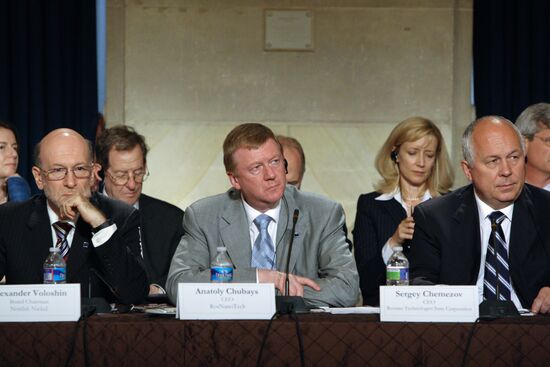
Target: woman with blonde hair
pixel 414 165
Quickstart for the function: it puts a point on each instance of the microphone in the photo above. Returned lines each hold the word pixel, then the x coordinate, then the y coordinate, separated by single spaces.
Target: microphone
pixel 494 309
pixel 294 220
pixel 91 304
pixel 290 304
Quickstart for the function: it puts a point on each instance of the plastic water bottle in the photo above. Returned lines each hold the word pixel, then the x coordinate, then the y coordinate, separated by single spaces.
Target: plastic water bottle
pixel 55 269
pixel 397 271
pixel 221 269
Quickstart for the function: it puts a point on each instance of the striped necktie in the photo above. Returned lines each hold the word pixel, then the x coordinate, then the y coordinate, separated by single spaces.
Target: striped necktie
pixel 496 262
pixel 263 252
pixel 62 229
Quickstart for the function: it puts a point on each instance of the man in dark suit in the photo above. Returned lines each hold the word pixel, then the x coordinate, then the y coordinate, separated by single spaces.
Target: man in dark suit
pixel 122 153
pixel 100 233
pixel 492 233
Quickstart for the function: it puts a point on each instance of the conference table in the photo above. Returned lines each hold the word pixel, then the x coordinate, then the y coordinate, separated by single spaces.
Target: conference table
pixel 138 339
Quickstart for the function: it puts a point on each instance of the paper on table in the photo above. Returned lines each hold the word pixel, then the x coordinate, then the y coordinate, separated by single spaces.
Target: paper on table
pixel 350 310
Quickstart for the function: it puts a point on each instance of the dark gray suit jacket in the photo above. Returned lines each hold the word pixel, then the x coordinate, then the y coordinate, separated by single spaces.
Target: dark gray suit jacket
pixel 446 246
pixel 319 252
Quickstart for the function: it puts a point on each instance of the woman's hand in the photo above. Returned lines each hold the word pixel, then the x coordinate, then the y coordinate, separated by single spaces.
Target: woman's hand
pixel 404 231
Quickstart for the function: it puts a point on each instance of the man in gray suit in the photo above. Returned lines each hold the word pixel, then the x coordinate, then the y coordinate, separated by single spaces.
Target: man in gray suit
pixel 322 267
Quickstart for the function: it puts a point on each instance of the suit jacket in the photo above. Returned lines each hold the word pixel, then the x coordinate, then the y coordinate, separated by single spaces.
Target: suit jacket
pixel 375 222
pixel 319 252
pixel 446 246
pixel 161 231
pixel 26 236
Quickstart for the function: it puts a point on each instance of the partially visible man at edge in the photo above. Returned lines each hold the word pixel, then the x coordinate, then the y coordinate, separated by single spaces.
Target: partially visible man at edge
pixel 296 167
pixel 253 220
pixel 122 153
pixel 534 124
pixel 458 235
pixel 295 160
pixel 94 233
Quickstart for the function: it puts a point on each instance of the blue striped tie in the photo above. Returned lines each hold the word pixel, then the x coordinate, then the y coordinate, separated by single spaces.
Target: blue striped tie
pixel 497 262
pixel 62 229
pixel 263 253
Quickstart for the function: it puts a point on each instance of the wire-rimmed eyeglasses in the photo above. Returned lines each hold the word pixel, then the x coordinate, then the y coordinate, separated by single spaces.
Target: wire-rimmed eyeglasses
pixel 59 173
pixel 122 178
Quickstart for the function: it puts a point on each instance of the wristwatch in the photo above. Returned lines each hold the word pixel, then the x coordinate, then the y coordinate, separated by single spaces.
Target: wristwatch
pixel 103 225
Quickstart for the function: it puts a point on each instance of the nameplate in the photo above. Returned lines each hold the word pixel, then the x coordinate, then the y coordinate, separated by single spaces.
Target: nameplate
pixel 429 303
pixel 226 301
pixel 39 302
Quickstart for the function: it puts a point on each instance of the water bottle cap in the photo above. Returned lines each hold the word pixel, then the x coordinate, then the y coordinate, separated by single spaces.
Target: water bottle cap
pixel 55 249
pixel 397 248
pixel 221 248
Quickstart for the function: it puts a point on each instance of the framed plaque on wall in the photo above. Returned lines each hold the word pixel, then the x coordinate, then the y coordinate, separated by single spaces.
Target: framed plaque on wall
pixel 288 30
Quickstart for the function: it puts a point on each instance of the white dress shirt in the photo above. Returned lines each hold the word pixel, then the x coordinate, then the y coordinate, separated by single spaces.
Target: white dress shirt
pixel 251 214
pixel 98 238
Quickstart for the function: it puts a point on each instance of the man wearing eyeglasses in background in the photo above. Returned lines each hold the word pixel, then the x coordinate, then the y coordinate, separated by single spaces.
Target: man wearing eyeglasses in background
pixel 534 124
pixel 122 153
pixel 91 230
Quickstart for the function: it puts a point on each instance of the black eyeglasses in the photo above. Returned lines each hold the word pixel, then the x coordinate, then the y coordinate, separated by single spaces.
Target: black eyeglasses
pixel 59 173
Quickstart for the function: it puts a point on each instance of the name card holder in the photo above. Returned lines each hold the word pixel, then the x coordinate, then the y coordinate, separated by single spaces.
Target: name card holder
pixel 39 302
pixel 225 301
pixel 429 303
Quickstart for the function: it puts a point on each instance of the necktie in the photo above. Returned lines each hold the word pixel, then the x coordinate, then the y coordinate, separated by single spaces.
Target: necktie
pixel 496 262
pixel 62 229
pixel 263 253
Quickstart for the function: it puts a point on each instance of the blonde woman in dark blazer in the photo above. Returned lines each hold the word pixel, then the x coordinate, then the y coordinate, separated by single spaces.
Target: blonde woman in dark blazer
pixel 414 165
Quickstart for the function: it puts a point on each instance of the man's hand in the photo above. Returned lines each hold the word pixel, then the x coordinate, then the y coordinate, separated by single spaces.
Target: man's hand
pixel 295 283
pixel 80 204
pixel 155 289
pixel 541 304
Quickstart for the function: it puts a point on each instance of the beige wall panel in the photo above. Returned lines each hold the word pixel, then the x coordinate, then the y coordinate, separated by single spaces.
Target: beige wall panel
pixel 207 64
pixel 184 72
pixel 115 86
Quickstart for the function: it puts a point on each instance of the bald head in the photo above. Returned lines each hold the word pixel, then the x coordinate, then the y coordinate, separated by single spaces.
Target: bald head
pixel 494 160
pixel 485 125
pixel 61 139
pixel 63 167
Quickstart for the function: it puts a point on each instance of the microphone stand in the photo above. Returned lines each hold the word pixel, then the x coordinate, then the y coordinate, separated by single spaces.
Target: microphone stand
pixel 91 305
pixel 290 304
pixel 494 309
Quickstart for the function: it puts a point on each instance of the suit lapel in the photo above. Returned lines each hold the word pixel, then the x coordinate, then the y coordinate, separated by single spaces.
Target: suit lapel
pixel 39 225
pixel 145 216
pixel 523 234
pixel 466 233
pixel 394 209
pixel 81 245
pixel 235 235
pixel 284 231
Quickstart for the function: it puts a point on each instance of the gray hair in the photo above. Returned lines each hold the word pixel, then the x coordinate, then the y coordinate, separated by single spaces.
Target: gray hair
pixel 467 145
pixel 533 119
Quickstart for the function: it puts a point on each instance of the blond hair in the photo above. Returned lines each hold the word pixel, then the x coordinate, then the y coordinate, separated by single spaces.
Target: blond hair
pixel 414 128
